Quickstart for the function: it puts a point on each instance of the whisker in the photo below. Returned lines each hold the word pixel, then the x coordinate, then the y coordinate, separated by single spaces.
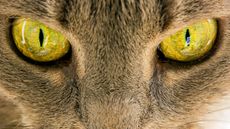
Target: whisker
pixel 221 109
pixel 198 122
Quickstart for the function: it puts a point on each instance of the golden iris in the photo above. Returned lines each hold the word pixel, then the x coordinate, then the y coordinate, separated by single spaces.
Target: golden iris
pixel 37 41
pixel 190 43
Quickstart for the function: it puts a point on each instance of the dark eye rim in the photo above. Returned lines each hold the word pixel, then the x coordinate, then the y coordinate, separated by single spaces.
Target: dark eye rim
pixel 207 56
pixel 66 59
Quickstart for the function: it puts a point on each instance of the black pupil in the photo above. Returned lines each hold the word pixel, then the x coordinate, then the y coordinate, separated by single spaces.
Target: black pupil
pixel 187 37
pixel 41 37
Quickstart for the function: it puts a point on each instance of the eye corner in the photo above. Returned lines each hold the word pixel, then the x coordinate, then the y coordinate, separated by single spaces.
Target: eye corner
pixel 160 56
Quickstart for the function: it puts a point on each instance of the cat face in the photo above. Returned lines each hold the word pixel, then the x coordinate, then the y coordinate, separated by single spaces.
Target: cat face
pixel 112 78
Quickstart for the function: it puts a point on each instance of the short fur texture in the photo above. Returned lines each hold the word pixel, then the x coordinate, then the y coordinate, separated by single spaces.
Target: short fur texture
pixel 112 78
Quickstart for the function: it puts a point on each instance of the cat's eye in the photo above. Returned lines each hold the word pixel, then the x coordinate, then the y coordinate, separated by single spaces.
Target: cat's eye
pixel 37 41
pixel 190 43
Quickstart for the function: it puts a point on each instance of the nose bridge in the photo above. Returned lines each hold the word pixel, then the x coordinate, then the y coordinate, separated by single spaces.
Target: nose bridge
pixel 113 112
pixel 113 61
pixel 108 104
pixel 112 90
pixel 112 53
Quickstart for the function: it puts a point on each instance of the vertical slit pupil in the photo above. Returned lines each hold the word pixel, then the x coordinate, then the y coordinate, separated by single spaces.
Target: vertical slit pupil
pixel 41 37
pixel 187 37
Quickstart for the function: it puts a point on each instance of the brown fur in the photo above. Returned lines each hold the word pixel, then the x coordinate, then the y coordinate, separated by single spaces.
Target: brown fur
pixel 113 79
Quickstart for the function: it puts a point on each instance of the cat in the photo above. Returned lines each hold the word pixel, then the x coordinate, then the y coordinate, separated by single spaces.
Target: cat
pixel 113 78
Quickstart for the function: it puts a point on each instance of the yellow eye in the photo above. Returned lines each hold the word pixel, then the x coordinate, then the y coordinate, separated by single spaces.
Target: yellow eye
pixel 39 42
pixel 190 43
